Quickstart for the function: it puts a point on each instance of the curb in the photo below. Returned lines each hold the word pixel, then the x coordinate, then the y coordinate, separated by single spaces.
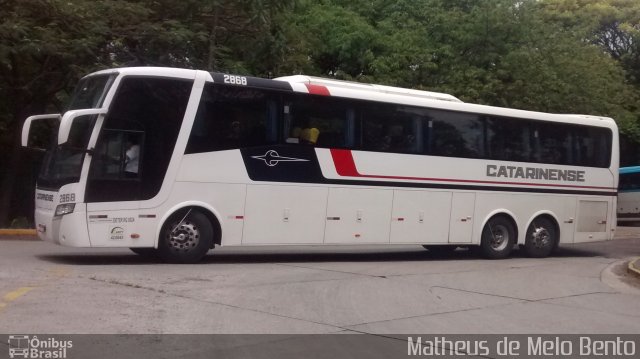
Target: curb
pixel 17 232
pixel 634 266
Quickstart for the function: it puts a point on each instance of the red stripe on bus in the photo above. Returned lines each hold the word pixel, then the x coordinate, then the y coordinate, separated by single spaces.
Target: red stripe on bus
pixel 346 166
pixel 318 90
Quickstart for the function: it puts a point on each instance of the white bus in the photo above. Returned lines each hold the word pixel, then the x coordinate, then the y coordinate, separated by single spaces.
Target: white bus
pixel 629 196
pixel 241 161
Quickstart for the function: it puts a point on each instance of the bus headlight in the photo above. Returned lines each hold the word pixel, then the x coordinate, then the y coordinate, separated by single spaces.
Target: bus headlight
pixel 66 208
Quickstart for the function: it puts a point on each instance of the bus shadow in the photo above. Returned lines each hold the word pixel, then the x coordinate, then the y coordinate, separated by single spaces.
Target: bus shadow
pixel 306 256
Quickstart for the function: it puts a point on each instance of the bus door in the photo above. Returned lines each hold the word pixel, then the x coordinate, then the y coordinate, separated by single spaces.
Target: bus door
pixel 114 188
pixel 131 160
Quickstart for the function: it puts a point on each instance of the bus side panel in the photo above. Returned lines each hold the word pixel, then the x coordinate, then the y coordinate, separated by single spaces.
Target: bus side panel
pixel 462 217
pixel 357 216
pixel 628 207
pixel 284 215
pixel 592 219
pixel 420 217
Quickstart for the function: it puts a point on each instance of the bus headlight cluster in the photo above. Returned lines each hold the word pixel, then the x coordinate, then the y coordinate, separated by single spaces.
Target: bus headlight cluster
pixel 66 208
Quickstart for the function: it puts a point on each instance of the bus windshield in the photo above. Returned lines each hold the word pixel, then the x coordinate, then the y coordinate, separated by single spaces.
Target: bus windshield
pixel 63 164
pixel 90 92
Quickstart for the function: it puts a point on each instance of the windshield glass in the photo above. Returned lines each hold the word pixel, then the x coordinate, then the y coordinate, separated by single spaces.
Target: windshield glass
pixel 63 164
pixel 90 92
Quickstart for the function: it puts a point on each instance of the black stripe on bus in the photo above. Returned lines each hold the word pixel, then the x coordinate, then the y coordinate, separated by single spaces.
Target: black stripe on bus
pixel 262 167
pixel 468 187
pixel 254 82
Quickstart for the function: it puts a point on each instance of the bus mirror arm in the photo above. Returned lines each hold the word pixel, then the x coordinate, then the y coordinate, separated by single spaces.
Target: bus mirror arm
pixel 70 116
pixel 26 127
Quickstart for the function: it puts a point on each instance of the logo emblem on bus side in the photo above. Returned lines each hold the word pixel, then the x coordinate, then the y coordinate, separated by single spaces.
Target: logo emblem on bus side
pixel 272 158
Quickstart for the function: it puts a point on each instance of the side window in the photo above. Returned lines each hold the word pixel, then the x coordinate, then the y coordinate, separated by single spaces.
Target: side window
pixel 574 145
pixel 118 155
pixel 137 140
pixel 456 134
pixel 391 128
pixel 233 117
pixel 629 181
pixel 319 121
pixel 592 147
pixel 509 139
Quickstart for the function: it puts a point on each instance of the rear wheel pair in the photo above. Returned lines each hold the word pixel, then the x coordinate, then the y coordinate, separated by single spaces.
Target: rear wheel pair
pixel 499 236
pixel 185 238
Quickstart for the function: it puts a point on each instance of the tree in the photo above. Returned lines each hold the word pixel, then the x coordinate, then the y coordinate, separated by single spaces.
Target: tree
pixel 46 46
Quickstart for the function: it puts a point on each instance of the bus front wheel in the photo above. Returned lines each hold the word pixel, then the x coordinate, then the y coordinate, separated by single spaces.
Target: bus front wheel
pixel 498 238
pixel 542 238
pixel 185 237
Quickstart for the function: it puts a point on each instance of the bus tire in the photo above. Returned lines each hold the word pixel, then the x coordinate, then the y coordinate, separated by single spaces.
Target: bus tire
pixel 498 238
pixel 186 237
pixel 145 252
pixel 541 239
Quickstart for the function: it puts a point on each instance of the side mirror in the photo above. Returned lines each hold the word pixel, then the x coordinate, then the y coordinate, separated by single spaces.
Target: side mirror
pixel 67 121
pixel 26 127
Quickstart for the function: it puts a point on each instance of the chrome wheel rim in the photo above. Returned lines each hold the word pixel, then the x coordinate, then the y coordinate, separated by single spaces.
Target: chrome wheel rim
pixel 540 237
pixel 184 237
pixel 499 237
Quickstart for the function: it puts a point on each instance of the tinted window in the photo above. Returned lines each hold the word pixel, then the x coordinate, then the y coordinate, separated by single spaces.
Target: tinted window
pixel 456 134
pixel 629 181
pixel 90 92
pixel 146 113
pixel 317 120
pixel 508 139
pixel 391 128
pixel 403 129
pixel 233 117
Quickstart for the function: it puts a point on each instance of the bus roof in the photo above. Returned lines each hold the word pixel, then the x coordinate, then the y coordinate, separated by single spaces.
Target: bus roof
pixel 319 81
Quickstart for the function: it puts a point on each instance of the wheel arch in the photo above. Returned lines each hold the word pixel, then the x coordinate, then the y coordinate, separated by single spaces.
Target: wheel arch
pixel 501 212
pixel 212 215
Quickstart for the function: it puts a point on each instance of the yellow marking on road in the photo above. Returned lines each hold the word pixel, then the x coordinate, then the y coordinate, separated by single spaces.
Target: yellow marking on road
pixel 11 296
pixel 52 274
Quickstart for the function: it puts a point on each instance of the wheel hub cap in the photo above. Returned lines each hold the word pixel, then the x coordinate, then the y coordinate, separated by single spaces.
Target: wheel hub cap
pixel 499 237
pixel 184 237
pixel 540 237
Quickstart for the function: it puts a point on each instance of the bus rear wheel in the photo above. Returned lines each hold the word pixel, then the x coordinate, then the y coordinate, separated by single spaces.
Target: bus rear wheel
pixel 185 237
pixel 542 238
pixel 498 238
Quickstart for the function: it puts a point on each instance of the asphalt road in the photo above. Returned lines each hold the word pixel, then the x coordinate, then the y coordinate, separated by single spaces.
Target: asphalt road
pixel 46 288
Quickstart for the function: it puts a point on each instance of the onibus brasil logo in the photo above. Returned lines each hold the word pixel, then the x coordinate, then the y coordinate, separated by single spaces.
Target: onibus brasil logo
pixel 25 346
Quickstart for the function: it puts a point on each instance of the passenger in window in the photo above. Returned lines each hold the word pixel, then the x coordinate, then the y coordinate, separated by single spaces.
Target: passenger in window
pixel 309 135
pixel 132 157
